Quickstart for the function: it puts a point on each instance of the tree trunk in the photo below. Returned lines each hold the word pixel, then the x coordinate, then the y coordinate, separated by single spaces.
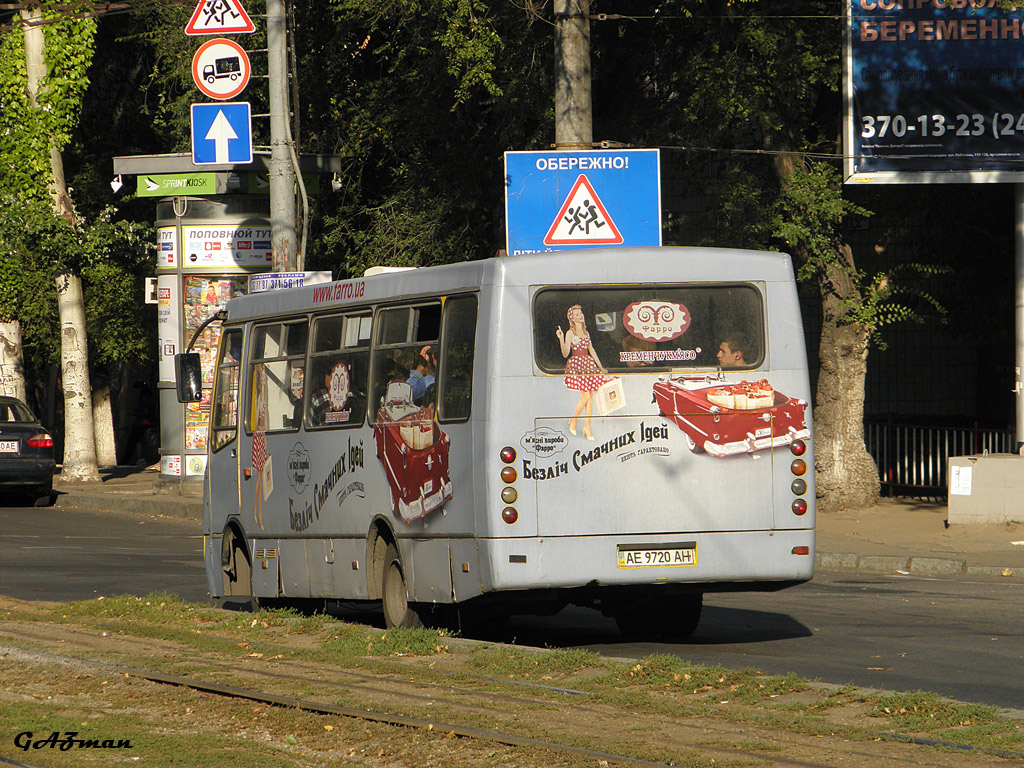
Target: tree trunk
pixel 12 365
pixel 79 441
pixel 103 424
pixel 845 474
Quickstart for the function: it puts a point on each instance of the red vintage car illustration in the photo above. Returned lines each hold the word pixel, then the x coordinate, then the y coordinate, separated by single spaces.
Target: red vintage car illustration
pixel 727 418
pixel 414 452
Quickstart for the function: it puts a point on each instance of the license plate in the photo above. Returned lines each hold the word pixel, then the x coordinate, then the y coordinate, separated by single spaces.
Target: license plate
pixel 8 446
pixel 672 556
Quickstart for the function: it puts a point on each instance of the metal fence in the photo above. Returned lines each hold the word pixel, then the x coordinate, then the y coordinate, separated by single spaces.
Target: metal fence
pixel 912 458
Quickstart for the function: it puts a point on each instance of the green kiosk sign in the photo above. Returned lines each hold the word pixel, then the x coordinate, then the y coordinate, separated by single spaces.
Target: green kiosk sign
pixel 212 183
pixel 168 185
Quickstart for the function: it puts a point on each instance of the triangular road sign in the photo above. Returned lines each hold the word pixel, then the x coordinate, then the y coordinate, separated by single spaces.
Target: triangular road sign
pixel 220 17
pixel 583 219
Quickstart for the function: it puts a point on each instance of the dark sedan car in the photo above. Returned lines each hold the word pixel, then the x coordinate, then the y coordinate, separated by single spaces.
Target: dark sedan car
pixel 26 453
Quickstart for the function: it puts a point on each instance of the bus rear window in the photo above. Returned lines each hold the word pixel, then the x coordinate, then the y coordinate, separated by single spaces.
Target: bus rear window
pixel 642 328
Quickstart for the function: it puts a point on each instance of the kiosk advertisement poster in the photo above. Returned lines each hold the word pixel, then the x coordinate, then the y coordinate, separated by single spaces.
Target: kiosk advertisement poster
pixel 204 296
pixel 227 245
pixel 933 91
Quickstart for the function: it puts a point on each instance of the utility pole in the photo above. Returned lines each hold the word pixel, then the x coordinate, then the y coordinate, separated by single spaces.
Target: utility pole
pixel 573 111
pixel 281 172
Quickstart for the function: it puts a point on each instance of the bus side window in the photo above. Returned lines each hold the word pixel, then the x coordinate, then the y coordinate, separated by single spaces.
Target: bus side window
pixel 224 420
pixel 278 376
pixel 405 350
pixel 338 369
pixel 458 344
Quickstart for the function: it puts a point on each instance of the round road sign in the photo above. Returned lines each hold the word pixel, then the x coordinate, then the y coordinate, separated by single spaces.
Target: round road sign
pixel 221 68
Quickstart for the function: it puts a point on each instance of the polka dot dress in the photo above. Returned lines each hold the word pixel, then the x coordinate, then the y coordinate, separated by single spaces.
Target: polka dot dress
pixel 581 372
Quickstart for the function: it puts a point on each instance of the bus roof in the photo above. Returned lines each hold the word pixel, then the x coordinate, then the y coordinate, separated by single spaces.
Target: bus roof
pixel 598 266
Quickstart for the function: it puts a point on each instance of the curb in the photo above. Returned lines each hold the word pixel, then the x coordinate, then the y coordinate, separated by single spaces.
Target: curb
pixel 919 566
pixel 160 506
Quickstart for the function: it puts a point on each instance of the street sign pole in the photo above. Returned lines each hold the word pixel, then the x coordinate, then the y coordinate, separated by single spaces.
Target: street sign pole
pixel 282 176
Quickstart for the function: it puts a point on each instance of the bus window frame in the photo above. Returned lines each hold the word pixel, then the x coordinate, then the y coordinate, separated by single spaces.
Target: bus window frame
pixel 412 327
pixel 227 331
pixel 253 361
pixel 312 357
pixel 443 377
pixel 756 288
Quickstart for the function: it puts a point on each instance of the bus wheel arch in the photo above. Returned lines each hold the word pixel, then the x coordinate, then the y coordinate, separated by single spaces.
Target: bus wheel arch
pixel 236 563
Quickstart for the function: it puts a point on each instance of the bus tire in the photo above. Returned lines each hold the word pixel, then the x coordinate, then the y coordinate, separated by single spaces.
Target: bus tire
pixel 670 620
pixel 395 594
pixel 684 617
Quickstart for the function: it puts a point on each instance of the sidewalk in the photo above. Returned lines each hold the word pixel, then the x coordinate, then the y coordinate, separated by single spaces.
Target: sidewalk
pixel 893 536
pixel 134 489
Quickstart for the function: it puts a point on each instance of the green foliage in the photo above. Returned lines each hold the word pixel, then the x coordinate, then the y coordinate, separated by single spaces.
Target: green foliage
pixel 809 217
pixel 420 97
pixel 112 258
pixel 35 243
pixel 26 133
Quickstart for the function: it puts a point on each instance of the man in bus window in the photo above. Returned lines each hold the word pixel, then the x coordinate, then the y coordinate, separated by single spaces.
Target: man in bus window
pixel 732 350
pixel 422 376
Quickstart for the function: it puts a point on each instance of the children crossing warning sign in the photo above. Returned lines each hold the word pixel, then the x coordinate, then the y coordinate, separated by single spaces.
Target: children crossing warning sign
pixel 559 201
pixel 219 17
pixel 583 219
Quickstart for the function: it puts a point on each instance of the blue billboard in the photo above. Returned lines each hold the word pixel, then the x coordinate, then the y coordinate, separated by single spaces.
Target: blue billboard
pixel 561 201
pixel 933 91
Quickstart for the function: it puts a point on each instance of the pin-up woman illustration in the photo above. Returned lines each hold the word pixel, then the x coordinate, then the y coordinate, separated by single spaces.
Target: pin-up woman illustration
pixel 583 369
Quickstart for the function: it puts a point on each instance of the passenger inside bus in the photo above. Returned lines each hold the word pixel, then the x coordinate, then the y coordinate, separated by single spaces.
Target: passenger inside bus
pixel 320 400
pixel 421 377
pixel 733 349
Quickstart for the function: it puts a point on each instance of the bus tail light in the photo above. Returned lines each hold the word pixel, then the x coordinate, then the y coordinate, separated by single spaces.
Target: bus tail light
pixel 801 550
pixel 509 515
pixel 508 454
pixel 798 447
pixel 798 467
pixel 799 507
pixel 508 474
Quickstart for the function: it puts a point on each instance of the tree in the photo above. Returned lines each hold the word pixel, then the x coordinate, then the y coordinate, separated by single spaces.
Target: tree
pixel 38 124
pixel 420 97
pixel 752 90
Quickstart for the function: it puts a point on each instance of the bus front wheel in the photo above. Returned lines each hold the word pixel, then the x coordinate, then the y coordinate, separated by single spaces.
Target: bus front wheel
pixel 235 565
pixel 395 595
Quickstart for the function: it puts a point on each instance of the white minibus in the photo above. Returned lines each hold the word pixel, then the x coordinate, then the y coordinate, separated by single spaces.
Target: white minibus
pixel 623 428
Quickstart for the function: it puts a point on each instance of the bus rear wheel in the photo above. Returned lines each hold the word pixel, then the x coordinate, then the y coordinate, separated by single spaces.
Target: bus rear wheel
pixel 395 595
pixel 674 619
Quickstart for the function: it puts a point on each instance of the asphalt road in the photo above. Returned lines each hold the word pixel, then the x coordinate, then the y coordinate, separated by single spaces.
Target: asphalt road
pixel 49 553
pixel 958 637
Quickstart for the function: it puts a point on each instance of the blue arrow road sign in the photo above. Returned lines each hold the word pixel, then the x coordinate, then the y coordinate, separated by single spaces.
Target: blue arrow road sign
pixel 562 201
pixel 221 133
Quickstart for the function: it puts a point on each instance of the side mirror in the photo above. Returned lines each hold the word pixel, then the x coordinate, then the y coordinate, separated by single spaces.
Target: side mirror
pixel 188 374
